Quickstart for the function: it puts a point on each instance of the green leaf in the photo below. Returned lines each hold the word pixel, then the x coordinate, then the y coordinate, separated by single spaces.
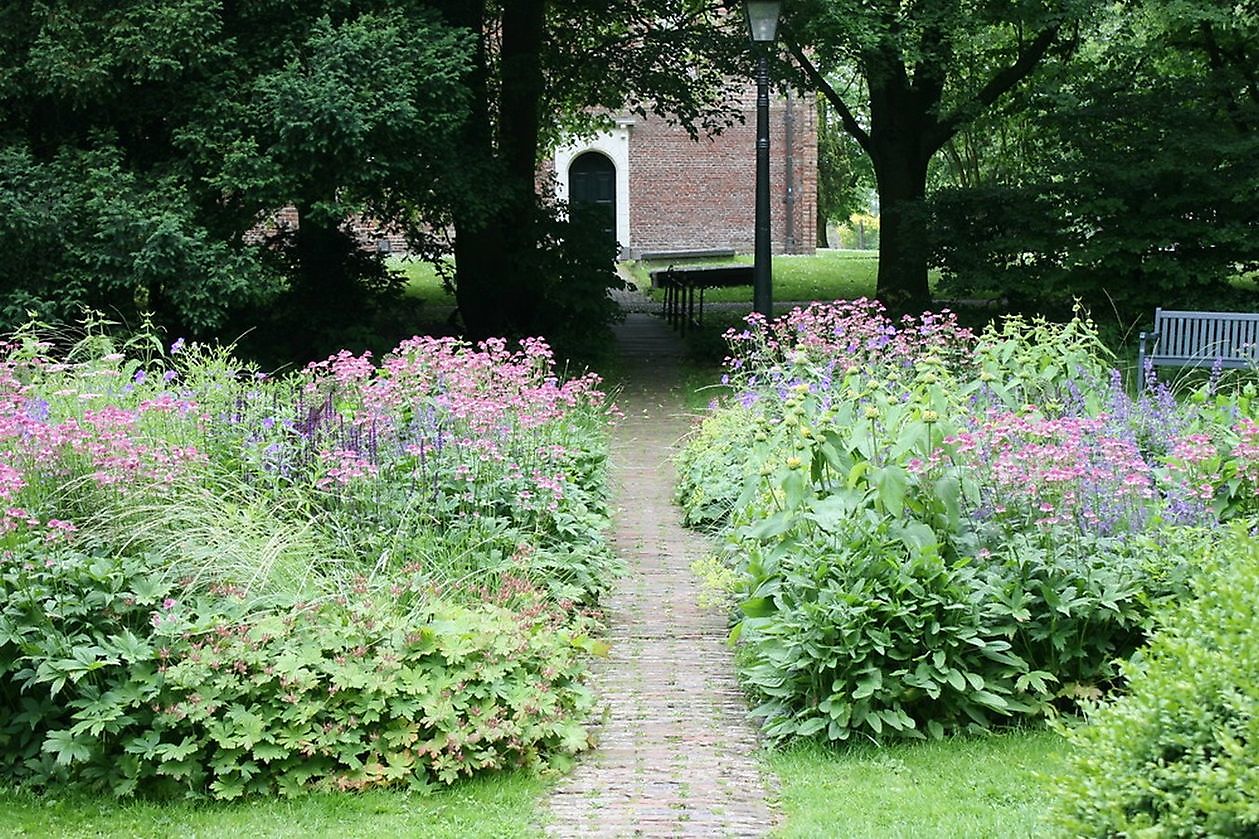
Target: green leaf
pixel 892 482
pixel 811 726
pixel 67 748
pixel 757 607
pixel 868 685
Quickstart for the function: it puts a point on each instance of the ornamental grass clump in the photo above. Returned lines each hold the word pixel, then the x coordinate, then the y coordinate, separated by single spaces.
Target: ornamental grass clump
pixel 214 581
pixel 934 531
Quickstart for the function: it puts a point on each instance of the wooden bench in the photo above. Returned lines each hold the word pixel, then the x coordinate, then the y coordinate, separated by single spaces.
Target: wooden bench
pixel 1200 339
pixel 680 284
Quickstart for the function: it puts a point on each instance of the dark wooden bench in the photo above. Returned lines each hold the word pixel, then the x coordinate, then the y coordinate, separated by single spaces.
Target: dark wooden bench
pixel 1200 339
pixel 681 284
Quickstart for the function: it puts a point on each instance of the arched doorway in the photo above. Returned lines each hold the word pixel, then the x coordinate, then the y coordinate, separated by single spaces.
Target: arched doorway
pixel 592 189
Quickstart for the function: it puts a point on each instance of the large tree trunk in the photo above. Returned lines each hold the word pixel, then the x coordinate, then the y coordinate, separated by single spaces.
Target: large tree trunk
pixel 494 238
pixel 906 128
pixel 900 120
pixel 902 182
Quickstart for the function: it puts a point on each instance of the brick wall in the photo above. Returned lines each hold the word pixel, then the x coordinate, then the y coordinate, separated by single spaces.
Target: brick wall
pixel 688 195
pixel 371 235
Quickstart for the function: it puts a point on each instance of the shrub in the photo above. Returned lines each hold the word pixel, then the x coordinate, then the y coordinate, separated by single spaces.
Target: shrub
pixel 711 473
pixel 936 531
pixel 863 624
pixel 216 582
pixel 123 687
pixel 1177 755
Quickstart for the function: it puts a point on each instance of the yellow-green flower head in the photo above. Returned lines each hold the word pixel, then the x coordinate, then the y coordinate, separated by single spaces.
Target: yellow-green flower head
pixel 802 387
pixel 986 376
pixel 794 463
pixel 930 416
pixel 928 378
pixel 872 412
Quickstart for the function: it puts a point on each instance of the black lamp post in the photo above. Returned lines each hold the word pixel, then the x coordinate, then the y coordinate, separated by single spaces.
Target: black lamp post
pixel 762 16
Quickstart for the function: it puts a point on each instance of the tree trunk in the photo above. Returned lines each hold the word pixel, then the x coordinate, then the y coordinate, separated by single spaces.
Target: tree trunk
pixel 900 117
pixel 494 237
pixel 822 241
pixel 902 180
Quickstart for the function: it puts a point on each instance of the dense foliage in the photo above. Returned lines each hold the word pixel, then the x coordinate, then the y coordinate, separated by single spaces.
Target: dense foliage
pixel 905 79
pixel 937 531
pixel 358 575
pixel 1131 180
pixel 145 146
pixel 1176 756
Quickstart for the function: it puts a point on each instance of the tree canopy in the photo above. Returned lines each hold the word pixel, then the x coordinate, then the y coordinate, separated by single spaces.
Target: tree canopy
pixel 144 143
pixel 1136 187
pixel 929 69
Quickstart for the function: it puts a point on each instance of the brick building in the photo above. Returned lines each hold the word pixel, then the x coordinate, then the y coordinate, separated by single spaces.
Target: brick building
pixel 670 194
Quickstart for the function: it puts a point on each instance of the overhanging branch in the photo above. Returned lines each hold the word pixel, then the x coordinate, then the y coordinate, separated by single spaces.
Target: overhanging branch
pixel 845 114
pixel 1000 84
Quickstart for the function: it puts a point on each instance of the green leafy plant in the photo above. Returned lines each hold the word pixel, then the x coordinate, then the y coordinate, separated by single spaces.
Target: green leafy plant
pixel 1176 755
pixel 934 532
pixel 120 686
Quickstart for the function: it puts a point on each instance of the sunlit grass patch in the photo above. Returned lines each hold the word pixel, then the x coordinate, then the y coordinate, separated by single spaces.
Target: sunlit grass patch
pixel 959 787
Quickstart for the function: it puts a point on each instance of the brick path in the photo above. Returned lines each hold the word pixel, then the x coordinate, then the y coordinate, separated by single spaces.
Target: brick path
pixel 676 753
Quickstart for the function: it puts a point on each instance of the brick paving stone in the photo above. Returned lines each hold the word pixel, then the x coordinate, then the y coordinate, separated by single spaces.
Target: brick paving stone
pixel 677 754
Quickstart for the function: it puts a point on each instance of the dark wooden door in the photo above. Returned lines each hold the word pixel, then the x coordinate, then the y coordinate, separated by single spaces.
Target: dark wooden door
pixel 592 189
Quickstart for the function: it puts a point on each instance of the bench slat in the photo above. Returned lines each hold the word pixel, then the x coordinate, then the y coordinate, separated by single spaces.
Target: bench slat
pixel 1202 339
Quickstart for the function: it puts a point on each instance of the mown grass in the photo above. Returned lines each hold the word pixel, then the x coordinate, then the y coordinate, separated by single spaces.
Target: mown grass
pixel 826 275
pixel 957 788
pixel 502 805
pixel 423 281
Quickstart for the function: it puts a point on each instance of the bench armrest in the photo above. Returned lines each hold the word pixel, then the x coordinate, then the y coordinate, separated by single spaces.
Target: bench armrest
pixel 1147 342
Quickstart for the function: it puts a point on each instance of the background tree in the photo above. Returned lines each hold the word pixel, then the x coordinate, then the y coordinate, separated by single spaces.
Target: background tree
pixel 843 179
pixel 929 69
pixel 144 142
pixel 1137 188
pixel 541 67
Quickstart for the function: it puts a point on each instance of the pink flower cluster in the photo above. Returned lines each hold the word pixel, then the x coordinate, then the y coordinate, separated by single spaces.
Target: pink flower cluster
pixel 108 444
pixel 349 466
pixel 487 411
pixel 1246 453
pixel 1056 471
pixel 850 331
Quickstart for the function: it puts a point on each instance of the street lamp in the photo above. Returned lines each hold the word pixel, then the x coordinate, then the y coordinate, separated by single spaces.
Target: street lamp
pixel 762 17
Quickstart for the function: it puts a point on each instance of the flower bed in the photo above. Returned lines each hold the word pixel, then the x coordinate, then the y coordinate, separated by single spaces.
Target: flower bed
pixel 358 575
pixel 934 531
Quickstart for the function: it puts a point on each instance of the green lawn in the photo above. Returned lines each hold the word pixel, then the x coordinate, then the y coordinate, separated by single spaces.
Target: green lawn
pixel 958 788
pixel 502 805
pixel 826 275
pixel 422 281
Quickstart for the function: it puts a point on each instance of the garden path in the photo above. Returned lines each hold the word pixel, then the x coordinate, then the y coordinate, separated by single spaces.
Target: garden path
pixel 676 753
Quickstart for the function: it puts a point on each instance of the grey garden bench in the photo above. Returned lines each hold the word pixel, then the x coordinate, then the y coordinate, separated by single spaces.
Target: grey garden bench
pixel 1201 339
